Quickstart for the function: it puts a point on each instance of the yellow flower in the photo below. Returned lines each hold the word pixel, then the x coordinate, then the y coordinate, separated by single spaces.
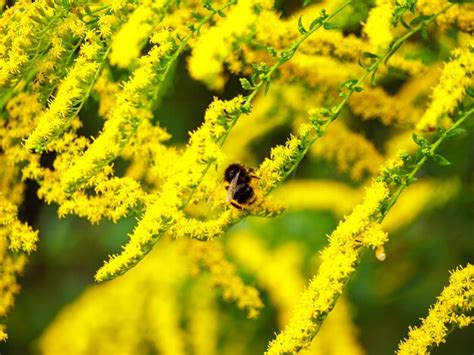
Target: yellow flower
pixel 132 106
pixel 451 309
pixel 223 274
pixel 457 76
pixel 10 267
pixel 161 213
pixel 338 261
pixel 351 151
pixel 461 14
pixel 154 287
pixel 72 92
pixel 284 158
pixel 132 36
pixel 25 27
pixel 207 60
pixel 20 236
pixel 378 25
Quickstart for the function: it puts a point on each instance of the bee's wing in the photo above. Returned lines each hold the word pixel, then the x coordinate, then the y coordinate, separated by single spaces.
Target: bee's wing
pixel 232 188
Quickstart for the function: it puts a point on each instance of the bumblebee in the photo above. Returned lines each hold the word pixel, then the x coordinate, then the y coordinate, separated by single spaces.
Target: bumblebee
pixel 239 191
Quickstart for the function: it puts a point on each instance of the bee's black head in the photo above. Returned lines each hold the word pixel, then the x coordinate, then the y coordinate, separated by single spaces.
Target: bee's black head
pixel 233 169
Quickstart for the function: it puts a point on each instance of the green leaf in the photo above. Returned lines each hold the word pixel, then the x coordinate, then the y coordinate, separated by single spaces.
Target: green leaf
pixel 470 91
pixel 349 83
pixel 329 26
pixel 301 28
pixel 419 19
pixel 440 160
pixel 455 132
pixel 315 22
pixel 267 87
pixel 358 88
pixel 406 25
pixel 424 34
pixel 372 78
pixel 369 55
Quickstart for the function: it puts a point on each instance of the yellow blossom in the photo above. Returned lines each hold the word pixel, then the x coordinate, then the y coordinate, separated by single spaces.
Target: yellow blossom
pixel 10 267
pixel 351 151
pixel 160 214
pixel 338 261
pixel 378 25
pixel 457 76
pixel 20 236
pixel 71 94
pixel 451 309
pixel 223 274
pixel 461 14
pixel 284 158
pixel 132 106
pixel 24 27
pixel 131 37
pixel 206 61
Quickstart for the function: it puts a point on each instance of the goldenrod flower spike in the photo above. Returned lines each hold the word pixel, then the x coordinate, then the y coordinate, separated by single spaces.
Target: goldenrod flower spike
pixel 132 36
pixel 338 261
pixel 20 236
pixel 207 60
pixel 72 92
pixel 27 29
pixel 132 106
pixel 284 158
pixel 461 14
pixel 452 310
pixel 223 274
pixel 351 151
pixel 10 267
pixel 161 214
pixel 378 27
pixel 456 78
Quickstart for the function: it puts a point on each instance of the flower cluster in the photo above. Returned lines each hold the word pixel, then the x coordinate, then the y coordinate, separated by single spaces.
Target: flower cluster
pixel 452 308
pixel 334 96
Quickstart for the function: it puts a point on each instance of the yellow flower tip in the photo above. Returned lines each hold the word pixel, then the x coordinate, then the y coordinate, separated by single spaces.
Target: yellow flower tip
pixel 3 335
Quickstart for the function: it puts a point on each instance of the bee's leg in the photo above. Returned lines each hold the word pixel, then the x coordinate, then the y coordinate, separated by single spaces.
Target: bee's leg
pixel 251 173
pixel 236 205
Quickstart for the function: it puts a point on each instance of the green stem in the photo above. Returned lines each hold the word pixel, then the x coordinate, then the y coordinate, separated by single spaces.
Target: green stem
pixel 334 113
pixel 393 199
